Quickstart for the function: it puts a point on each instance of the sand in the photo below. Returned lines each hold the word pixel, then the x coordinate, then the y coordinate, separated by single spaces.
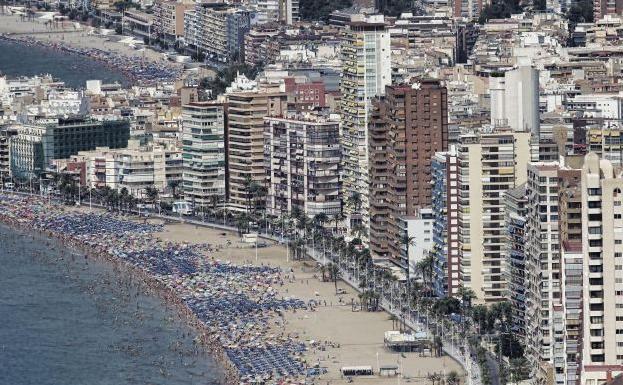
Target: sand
pixel 358 334
pixel 80 38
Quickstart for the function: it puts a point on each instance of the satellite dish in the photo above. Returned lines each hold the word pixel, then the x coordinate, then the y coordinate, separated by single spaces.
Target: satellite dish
pixel 416 86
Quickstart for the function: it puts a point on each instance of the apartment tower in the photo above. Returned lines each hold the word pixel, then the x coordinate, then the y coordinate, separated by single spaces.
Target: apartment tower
pixel 366 70
pixel 445 202
pixel 203 152
pixel 489 165
pixel 245 141
pixel 602 244
pixel 410 126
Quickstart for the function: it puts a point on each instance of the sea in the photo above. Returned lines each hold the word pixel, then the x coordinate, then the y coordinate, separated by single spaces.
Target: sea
pixel 68 320
pixel 18 59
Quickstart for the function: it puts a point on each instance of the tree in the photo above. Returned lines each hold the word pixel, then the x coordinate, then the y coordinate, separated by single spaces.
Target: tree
pixel 580 12
pixel 354 201
pixel 152 193
pixel 499 9
pixel 334 273
pixel 426 267
pixel 510 346
pixel 395 7
pixel 452 378
pixel 320 219
pixel 225 76
pixel 315 10
pixel 519 369
pixel 337 218
pixel 173 185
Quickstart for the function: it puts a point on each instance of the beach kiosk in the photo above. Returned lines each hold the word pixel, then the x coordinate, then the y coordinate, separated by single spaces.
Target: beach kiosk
pixel 351 371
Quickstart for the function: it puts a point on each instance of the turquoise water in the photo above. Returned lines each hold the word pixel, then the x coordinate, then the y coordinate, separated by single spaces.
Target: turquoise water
pixel 71 321
pixel 19 59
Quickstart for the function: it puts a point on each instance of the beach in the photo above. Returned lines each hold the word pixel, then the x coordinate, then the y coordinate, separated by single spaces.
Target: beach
pixel 271 319
pixel 358 334
pixel 141 65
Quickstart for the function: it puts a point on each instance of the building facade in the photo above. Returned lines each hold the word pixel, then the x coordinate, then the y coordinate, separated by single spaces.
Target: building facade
pixel 35 146
pixel 366 70
pixel 203 152
pixel 489 165
pixel 410 125
pixel 303 160
pixel 602 245
pixel 445 202
pixel 245 141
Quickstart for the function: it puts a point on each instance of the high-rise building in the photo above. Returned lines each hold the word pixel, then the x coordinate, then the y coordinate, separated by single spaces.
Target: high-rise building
pixel 445 205
pixel 469 9
pixel 245 141
pixel 366 70
pixel 489 165
pixel 606 143
pixel 169 19
pixel 286 11
pixel 6 132
pixel 543 308
pixel 515 210
pixel 570 224
pixel 216 30
pixel 515 100
pixel 303 160
pixel 203 149
pixel 410 125
pixel 602 245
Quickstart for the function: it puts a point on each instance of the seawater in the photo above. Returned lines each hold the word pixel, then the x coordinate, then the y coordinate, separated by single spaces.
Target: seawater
pixel 67 320
pixel 20 59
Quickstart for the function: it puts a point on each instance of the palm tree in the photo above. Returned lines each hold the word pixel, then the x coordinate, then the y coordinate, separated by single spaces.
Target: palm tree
pixel 173 185
pixel 354 201
pixel 334 273
pixel 437 345
pixel 337 218
pixel 426 267
pixel 323 270
pixel 409 241
pixel 393 318
pixel 320 219
pixel 452 378
pixel 152 194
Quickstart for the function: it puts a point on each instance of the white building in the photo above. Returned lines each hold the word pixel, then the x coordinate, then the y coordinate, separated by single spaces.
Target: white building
pixel 489 165
pixel 203 146
pixel 602 245
pixel 366 70
pixel 302 153
pixel 135 168
pixel 418 231
pixel 515 100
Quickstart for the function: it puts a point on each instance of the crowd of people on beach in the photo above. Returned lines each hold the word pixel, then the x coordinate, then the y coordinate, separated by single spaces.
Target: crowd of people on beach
pixel 142 71
pixel 236 308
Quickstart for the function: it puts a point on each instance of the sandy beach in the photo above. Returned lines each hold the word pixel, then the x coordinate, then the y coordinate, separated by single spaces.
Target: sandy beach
pixel 358 334
pixel 219 284
pixel 67 33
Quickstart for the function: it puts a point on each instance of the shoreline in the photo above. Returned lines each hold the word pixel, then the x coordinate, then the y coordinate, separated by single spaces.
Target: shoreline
pixel 150 68
pixel 332 335
pixel 157 288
